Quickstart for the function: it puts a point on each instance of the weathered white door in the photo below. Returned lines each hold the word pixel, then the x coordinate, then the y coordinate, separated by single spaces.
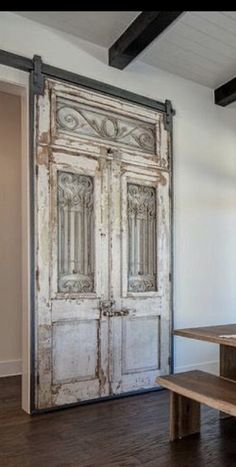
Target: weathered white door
pixel 140 326
pixel 103 253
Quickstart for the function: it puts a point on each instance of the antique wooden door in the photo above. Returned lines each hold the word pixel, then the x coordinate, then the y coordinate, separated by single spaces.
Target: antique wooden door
pixel 103 246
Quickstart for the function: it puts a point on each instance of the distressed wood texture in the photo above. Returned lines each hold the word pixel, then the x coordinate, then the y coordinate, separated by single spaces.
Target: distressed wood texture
pixel 142 336
pixel 103 246
pixel 184 416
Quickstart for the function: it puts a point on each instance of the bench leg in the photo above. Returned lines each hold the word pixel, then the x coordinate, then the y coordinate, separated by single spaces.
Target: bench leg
pixel 184 416
pixel 227 366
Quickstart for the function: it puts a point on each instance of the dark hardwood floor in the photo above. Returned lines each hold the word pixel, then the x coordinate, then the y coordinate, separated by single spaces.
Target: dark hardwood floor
pixel 128 432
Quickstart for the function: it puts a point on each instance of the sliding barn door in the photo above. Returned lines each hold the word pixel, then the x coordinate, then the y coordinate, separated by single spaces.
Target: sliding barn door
pixel 103 246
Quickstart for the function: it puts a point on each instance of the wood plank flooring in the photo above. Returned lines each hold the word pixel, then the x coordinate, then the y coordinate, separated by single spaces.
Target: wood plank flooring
pixel 128 432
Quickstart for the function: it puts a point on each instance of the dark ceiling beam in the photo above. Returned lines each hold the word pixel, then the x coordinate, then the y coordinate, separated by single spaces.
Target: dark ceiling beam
pixel 226 94
pixel 144 29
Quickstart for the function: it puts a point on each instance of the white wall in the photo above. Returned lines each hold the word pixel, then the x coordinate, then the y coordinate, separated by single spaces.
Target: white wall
pixel 10 234
pixel 204 176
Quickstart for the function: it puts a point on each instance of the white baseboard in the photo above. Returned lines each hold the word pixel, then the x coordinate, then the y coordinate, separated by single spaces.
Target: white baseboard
pixel 10 368
pixel 210 367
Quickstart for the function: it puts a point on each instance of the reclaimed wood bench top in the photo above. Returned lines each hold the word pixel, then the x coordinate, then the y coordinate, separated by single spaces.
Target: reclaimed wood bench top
pixel 214 391
pixel 210 334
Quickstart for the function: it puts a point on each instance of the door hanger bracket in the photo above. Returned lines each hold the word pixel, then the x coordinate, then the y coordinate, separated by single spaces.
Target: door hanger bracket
pixel 37 77
pixel 168 115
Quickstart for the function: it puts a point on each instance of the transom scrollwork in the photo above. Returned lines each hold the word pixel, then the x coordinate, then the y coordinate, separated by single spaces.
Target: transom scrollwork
pixel 86 121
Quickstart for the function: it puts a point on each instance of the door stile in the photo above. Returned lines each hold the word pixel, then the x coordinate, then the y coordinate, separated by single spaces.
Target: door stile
pixel 43 323
pixel 115 261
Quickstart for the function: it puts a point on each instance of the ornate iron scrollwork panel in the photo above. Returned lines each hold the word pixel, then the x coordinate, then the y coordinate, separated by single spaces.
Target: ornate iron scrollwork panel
pixel 75 233
pixel 141 238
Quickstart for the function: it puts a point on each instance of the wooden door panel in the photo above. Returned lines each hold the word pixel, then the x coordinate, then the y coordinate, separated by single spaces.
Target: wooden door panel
pixel 155 235
pixel 136 353
pixel 102 218
pixel 77 181
pixel 140 344
pixel 73 337
pixel 79 360
pixel 140 336
pixel 75 350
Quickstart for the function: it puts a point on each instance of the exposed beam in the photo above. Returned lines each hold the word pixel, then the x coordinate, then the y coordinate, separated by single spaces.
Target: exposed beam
pixel 226 94
pixel 144 29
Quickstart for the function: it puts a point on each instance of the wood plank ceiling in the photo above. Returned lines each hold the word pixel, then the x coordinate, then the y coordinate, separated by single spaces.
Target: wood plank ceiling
pixel 200 46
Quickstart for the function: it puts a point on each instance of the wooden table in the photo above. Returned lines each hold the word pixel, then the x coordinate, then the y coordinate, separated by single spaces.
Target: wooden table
pixel 227 345
pixel 190 389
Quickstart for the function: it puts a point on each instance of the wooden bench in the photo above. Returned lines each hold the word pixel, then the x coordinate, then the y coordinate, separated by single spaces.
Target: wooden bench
pixel 187 391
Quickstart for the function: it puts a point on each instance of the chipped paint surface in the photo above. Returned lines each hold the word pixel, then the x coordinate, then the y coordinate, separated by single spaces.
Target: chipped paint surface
pixel 95 336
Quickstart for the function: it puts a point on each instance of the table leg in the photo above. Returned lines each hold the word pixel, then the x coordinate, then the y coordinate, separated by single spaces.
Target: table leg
pixel 228 362
pixel 184 416
pixel 227 366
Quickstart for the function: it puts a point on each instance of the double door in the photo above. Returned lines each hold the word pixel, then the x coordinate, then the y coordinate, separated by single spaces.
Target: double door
pixel 103 246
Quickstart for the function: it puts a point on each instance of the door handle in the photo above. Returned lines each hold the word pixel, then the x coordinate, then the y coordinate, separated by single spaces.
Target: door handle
pixel 111 313
pixel 107 309
pixel 122 312
pixel 106 306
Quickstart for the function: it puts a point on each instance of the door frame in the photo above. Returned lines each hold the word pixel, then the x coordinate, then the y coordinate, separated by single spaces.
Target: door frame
pixel 37 72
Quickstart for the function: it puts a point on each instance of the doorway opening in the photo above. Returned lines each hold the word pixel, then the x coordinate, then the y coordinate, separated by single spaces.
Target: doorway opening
pixel 10 238
pixel 14 239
